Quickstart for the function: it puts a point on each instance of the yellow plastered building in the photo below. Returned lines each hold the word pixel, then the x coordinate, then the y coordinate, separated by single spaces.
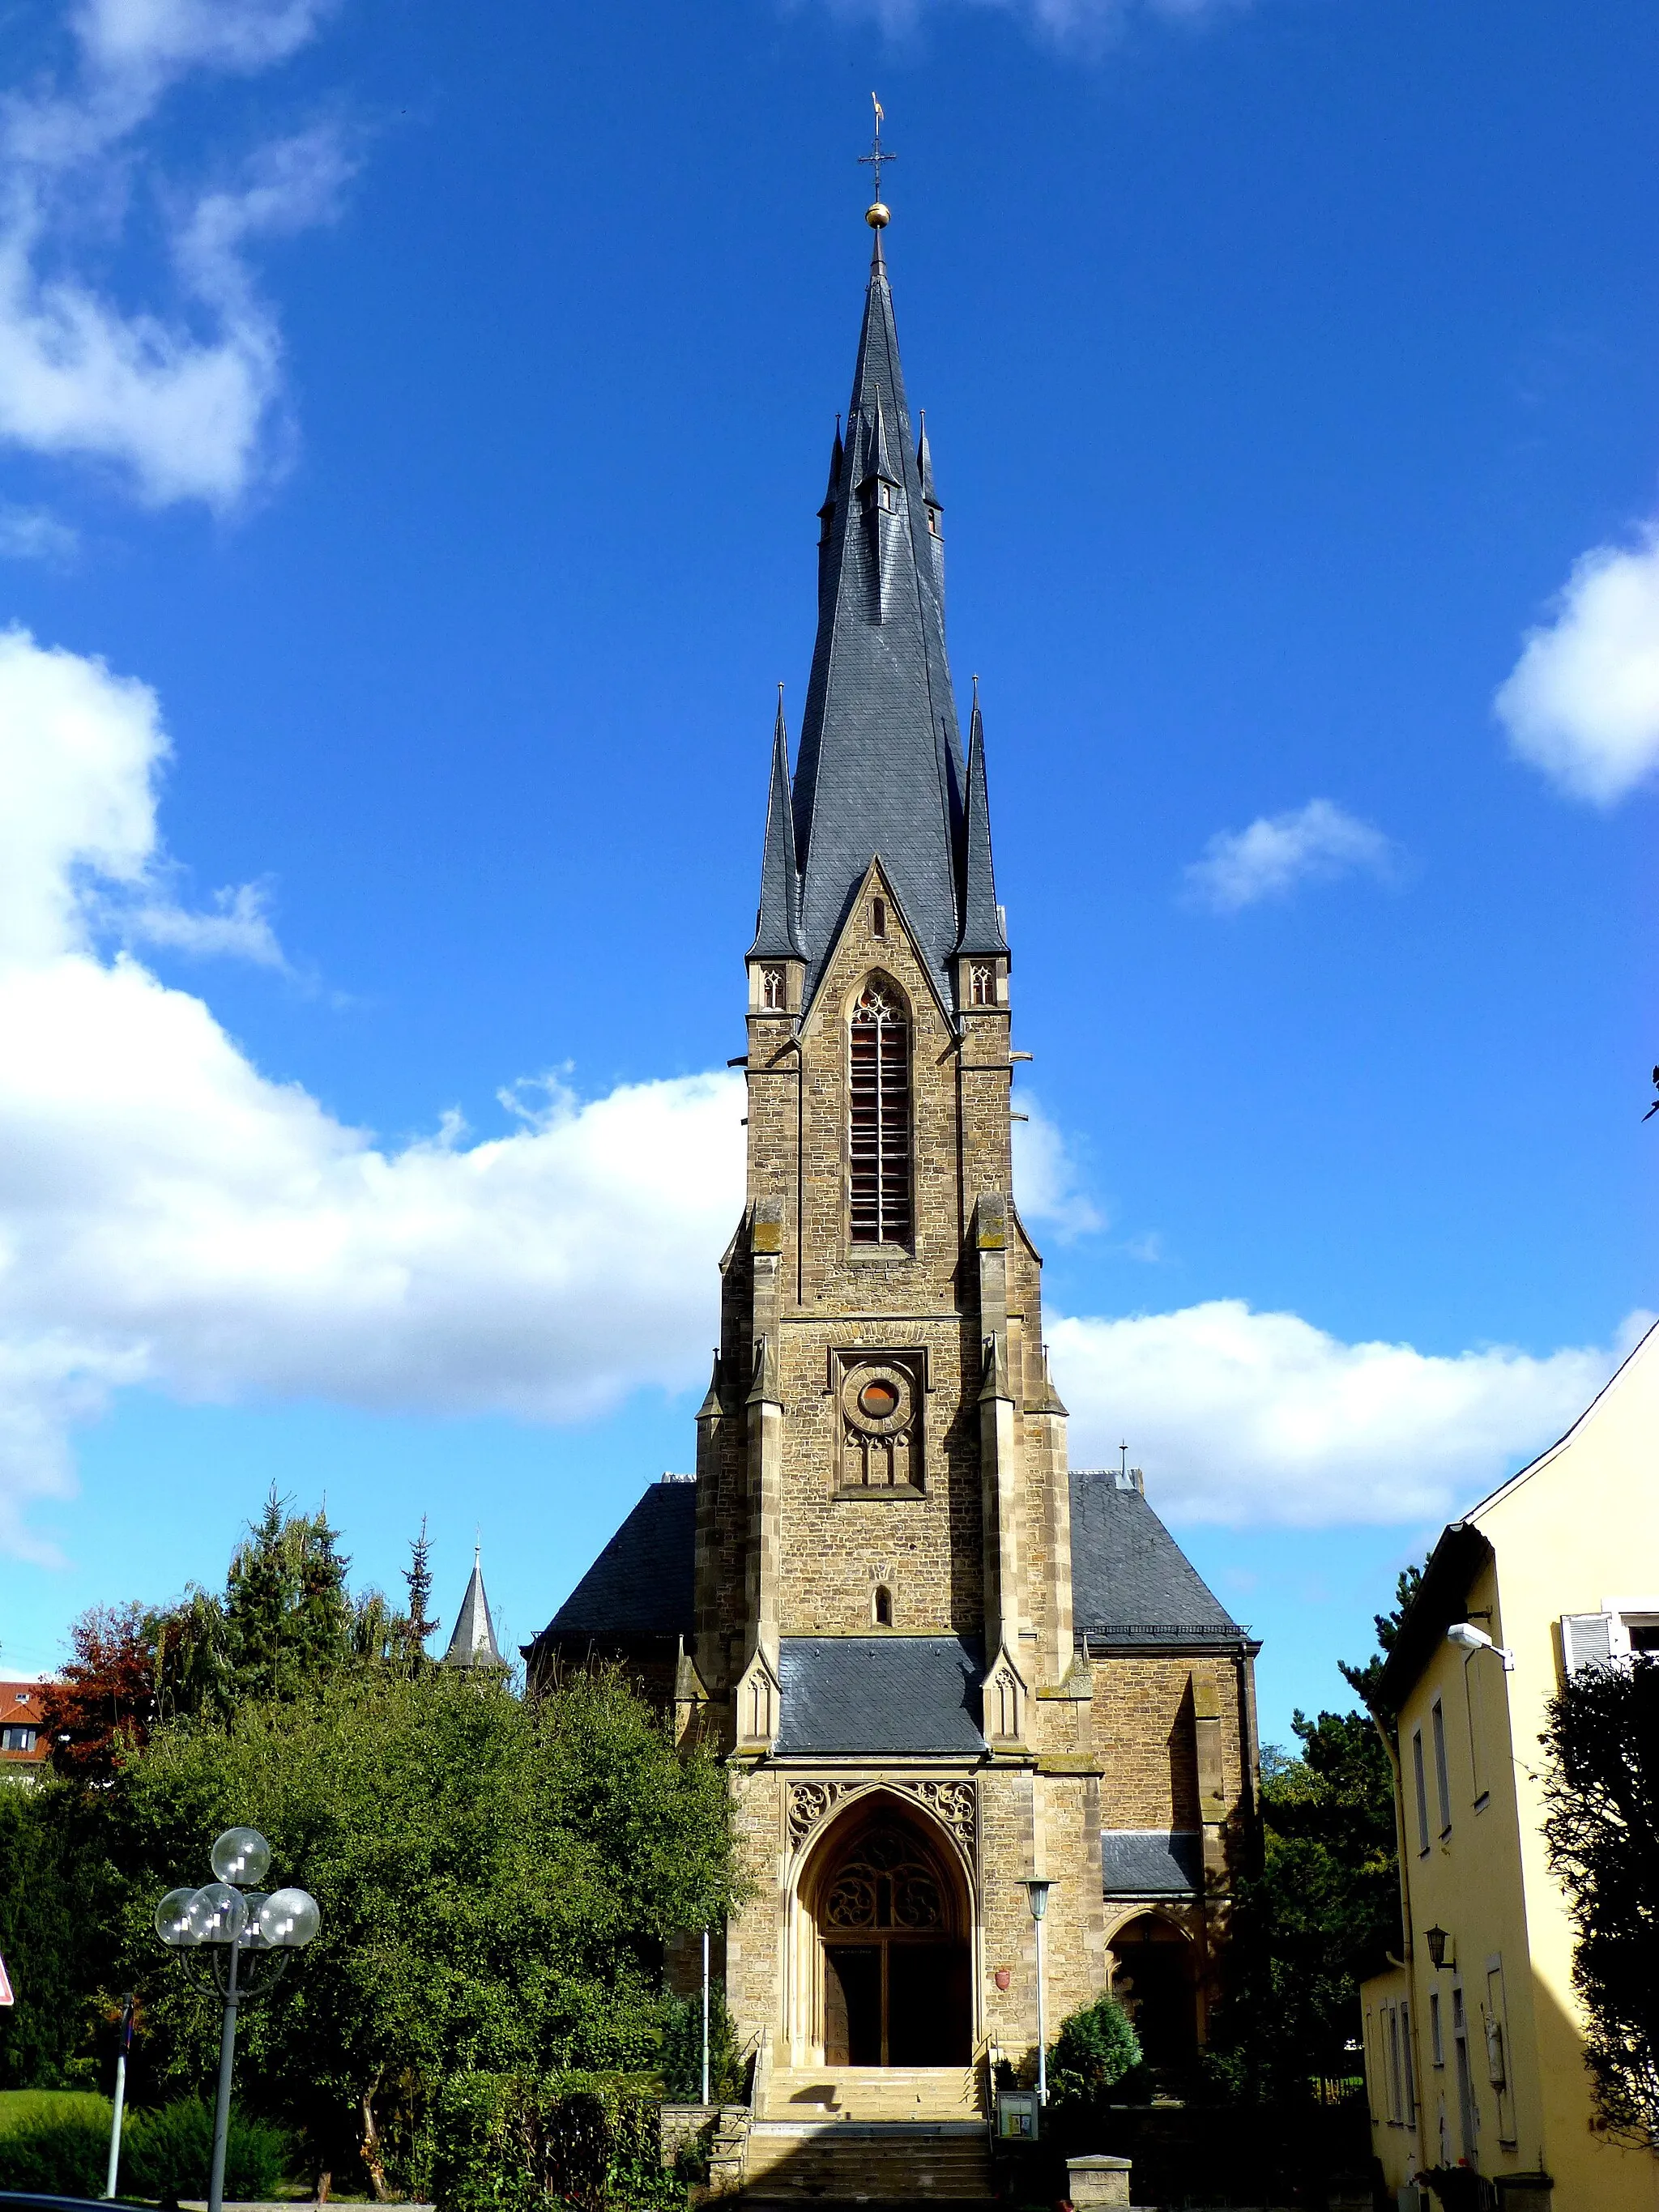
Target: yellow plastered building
pixel 1474 2047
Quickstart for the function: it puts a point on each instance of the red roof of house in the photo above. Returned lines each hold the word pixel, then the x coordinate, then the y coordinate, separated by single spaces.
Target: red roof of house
pixel 19 1707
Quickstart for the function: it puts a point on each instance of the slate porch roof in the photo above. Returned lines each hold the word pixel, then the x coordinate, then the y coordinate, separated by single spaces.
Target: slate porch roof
pixel 909 1695
pixel 1151 1862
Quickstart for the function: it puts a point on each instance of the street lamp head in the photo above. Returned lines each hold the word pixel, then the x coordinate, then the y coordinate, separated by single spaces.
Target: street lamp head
pixel 242 1855
pixel 289 1919
pixel 174 1924
pixel 218 1913
pixel 1036 1889
pixel 1437 1939
pixel 1467 1638
pixel 253 1936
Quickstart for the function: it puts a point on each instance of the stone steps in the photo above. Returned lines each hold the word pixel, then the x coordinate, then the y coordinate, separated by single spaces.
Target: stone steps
pixel 841 2094
pixel 848 2161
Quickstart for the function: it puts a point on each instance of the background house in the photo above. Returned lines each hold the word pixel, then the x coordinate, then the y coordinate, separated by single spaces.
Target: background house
pixel 1473 2049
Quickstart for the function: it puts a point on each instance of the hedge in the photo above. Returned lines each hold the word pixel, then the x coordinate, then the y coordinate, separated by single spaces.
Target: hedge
pixel 507 2142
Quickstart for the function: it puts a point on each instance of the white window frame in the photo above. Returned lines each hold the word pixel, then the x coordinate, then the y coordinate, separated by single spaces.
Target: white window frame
pixel 1628 1613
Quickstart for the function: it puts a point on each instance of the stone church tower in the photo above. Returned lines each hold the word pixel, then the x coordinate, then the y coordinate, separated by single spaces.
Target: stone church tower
pixel 938 1663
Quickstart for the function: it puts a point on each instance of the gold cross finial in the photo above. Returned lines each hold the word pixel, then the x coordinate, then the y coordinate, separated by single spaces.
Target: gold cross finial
pixel 876 213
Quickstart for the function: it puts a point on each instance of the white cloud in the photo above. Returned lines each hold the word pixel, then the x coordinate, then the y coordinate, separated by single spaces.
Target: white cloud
pixel 1582 703
pixel 29 534
pixel 80 857
pixel 238 928
pixel 184 401
pixel 1277 852
pixel 171 1216
pixel 1048 1177
pixel 1261 1417
pixel 1081 25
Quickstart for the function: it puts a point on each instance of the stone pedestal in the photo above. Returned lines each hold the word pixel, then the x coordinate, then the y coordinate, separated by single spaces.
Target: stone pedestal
pixel 1098 2181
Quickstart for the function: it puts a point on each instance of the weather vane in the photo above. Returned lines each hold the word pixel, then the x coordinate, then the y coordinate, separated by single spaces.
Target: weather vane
pixel 876 213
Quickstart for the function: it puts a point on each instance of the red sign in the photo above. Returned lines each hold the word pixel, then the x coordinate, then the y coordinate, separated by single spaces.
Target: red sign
pixel 6 1996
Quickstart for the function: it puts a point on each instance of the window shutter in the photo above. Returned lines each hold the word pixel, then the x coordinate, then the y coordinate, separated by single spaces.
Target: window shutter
pixel 1586 1639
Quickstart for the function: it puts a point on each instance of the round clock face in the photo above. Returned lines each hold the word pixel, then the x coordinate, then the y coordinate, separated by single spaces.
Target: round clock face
pixel 878 1400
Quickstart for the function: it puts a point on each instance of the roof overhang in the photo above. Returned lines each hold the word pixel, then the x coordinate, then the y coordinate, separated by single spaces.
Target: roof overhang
pixel 1442 1597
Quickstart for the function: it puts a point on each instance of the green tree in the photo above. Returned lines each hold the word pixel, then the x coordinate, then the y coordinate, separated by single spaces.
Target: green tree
pixel 1323 1909
pixel 105 1697
pixel 420 1622
pixel 1601 1827
pixel 1364 1680
pixel 497 1881
pixel 59 1897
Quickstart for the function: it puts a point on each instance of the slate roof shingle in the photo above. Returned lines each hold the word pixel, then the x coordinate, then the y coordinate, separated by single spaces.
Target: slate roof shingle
pixel 901 1694
pixel 1151 1863
pixel 880 768
pixel 1131 1581
pixel 642 1582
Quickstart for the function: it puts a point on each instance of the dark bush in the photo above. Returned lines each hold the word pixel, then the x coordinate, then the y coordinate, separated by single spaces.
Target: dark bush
pixel 168 2153
pixel 1096 2047
pixel 62 2155
pixel 682 2050
pixel 516 2143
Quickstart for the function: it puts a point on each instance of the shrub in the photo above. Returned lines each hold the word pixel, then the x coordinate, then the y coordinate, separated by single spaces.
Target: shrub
pixel 1601 1787
pixel 1094 2050
pixel 517 2143
pixel 60 2155
pixel 682 2050
pixel 168 2153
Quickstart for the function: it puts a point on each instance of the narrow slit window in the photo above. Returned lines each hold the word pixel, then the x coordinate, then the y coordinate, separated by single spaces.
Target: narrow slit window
pixel 883 1608
pixel 879 1121
pixel 1441 1779
pixel 1422 1791
pixel 878 917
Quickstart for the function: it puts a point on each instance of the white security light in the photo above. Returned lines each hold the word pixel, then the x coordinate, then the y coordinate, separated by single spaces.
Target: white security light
pixel 1467 1638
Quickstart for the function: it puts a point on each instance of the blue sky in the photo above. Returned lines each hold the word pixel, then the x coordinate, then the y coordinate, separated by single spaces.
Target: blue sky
pixel 411 425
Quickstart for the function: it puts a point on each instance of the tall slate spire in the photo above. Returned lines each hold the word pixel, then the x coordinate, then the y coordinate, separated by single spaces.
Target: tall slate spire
pixel 777 934
pixel 473 1643
pixel 981 917
pixel 881 769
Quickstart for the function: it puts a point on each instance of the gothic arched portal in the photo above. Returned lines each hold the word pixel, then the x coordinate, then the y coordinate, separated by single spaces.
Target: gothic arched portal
pixel 892 1920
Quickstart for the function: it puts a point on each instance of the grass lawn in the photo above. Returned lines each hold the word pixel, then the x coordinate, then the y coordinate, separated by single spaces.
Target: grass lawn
pixel 22 2108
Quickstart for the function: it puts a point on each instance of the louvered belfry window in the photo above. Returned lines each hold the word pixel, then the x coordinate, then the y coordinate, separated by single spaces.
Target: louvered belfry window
pixel 880 1119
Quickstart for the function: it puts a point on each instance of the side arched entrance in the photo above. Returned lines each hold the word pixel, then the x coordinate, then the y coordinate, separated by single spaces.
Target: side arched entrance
pixel 1155 1978
pixel 886 1907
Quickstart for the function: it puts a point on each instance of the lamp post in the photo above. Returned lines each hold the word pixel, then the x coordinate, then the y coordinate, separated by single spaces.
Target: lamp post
pixel 1036 1890
pixel 225 1922
pixel 705 2016
pixel 123 2045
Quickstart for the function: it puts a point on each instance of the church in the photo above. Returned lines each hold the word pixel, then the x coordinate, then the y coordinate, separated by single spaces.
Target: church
pixel 941 1664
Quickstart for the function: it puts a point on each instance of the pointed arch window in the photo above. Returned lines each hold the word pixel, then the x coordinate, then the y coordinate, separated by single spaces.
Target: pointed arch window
pixel 878 1119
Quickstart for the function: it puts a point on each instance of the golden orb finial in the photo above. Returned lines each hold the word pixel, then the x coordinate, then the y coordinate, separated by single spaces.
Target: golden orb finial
pixel 876 216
